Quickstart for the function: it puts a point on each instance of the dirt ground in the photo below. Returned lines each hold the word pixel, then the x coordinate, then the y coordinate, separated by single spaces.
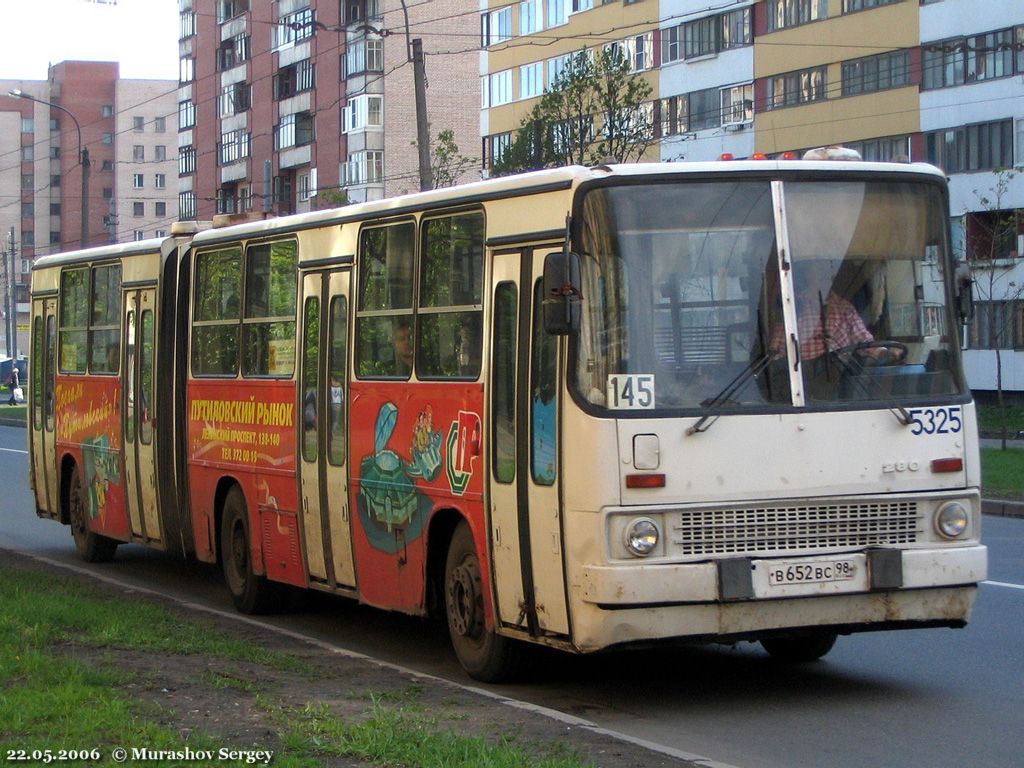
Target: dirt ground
pixel 197 693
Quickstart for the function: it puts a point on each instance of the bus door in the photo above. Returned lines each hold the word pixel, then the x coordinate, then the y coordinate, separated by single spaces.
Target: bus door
pixel 526 530
pixel 41 389
pixel 140 420
pixel 324 460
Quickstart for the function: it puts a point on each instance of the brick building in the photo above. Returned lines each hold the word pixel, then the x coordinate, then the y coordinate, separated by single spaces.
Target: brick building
pixel 289 105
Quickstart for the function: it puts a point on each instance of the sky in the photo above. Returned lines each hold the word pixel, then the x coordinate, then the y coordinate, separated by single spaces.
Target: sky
pixel 140 34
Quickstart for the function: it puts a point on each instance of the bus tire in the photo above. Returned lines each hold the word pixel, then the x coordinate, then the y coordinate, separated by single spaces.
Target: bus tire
pixel 484 654
pixel 799 648
pixel 251 593
pixel 92 547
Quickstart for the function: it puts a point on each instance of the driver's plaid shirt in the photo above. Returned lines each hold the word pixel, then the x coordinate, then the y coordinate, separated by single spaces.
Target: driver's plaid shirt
pixel 844 323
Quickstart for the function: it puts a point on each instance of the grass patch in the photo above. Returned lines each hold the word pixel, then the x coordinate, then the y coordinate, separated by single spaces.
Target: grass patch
pixel 12 412
pixel 990 421
pixel 396 736
pixel 1002 473
pixel 64 684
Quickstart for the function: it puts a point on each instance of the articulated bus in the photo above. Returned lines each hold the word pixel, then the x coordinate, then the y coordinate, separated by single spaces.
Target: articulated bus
pixel 589 408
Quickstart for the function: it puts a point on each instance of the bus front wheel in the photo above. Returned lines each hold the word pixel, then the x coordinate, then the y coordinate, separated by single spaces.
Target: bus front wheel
pixel 251 593
pixel 485 655
pixel 92 547
pixel 799 648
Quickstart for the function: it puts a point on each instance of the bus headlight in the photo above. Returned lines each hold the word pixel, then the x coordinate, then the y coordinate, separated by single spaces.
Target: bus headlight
pixel 951 520
pixel 642 536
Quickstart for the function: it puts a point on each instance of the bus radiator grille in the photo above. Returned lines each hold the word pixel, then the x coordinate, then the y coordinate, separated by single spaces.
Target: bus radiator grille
pixel 795 528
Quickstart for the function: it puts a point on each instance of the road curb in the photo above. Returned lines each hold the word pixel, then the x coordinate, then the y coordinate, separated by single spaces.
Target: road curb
pixel 1002 508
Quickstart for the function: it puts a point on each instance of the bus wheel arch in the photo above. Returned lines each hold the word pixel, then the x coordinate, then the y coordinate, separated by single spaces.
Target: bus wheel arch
pixel 251 592
pixel 483 653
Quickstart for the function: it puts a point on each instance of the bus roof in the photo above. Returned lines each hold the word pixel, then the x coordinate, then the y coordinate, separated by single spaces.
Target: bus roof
pixel 541 181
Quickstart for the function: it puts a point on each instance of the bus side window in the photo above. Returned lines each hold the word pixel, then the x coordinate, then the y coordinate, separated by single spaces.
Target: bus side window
pixel 218 286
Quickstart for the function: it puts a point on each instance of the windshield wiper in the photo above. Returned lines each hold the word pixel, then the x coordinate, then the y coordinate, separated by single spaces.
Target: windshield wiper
pixel 744 377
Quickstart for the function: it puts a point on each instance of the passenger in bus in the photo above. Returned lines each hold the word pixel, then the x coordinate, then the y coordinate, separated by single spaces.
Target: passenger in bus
pixel 401 338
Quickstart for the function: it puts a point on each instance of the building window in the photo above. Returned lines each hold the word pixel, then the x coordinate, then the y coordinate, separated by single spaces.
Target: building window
pixel 531 14
pixel 186 69
pixel 973 59
pixel 294 131
pixel 850 6
pixel 108 139
pixel 160 209
pixel 138 123
pixel 28 210
pixel 28 153
pixel 137 181
pixel 531 80
pixel 501 88
pixel 160 181
pixel 186 205
pixel 186 114
pixel 783 14
pixel 303 186
pixel 138 209
pixel 363 112
pixel 234 145
pixel 366 167
pixel 235 98
pixel 228 9
pixel 159 124
pixel 496 26
pixel 997 325
pixel 293 28
pixel 366 55
pixel 876 73
pixel 55 209
pixel 558 12
pixel 107 110
pixel 28 238
pixel 160 233
pixel 138 234
pixel 186 160
pixel 54 238
pixel 233 52
pixel 107 165
pixel 738 104
pixel 138 152
pixel 27 125
pixel 884 150
pixel 495 148
pixel 793 88
pixel 108 193
pixel 636 51
pixel 55 180
pixel 187 27
pixel 293 79
pixel 980 147
pixel 704 109
pixel 161 152
pixel 582 5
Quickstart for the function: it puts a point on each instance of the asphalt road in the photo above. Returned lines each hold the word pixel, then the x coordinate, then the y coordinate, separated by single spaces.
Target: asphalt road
pixel 928 698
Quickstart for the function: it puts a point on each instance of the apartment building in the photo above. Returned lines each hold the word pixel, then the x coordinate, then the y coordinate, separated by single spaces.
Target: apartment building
pixel 45 125
pixel 289 105
pixel 939 81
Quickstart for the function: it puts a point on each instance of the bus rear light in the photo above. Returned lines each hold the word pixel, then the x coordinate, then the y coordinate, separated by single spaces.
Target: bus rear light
pixel 947 465
pixel 645 481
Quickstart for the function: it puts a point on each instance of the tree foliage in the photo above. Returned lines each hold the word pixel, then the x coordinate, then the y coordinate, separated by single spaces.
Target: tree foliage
pixel 594 112
pixel 447 164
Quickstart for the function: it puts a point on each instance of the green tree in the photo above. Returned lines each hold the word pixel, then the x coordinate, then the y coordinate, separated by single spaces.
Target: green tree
pixel 447 164
pixel 995 283
pixel 330 198
pixel 595 111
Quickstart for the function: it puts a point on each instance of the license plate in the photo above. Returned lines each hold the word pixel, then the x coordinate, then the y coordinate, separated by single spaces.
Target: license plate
pixel 787 573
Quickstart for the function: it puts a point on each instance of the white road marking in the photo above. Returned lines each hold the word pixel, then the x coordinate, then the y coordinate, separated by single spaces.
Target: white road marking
pixel 13 450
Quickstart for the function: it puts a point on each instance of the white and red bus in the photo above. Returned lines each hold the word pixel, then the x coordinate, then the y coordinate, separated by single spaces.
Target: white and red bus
pixel 588 408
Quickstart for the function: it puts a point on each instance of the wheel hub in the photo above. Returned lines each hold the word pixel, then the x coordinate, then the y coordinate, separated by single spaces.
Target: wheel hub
pixel 464 601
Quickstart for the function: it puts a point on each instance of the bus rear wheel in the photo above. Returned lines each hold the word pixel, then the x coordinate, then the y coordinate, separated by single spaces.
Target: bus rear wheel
pixel 92 547
pixel 485 655
pixel 251 593
pixel 799 648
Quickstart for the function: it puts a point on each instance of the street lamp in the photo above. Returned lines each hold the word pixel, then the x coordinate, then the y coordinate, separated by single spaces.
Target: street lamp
pixel 83 157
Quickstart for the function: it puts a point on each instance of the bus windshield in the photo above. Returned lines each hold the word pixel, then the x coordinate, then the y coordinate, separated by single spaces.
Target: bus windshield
pixel 684 291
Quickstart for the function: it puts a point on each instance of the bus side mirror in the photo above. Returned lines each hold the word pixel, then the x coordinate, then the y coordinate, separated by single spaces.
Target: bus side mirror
pixel 562 300
pixel 964 294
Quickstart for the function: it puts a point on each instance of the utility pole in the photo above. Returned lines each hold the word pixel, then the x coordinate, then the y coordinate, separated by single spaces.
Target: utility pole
pixel 12 334
pixel 414 50
pixel 84 156
pixel 7 303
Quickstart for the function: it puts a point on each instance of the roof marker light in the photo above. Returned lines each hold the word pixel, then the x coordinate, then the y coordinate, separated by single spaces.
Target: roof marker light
pixel 759 156
pixel 790 156
pixel 726 156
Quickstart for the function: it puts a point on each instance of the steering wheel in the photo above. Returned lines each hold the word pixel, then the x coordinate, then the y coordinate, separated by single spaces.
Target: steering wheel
pixel 893 352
